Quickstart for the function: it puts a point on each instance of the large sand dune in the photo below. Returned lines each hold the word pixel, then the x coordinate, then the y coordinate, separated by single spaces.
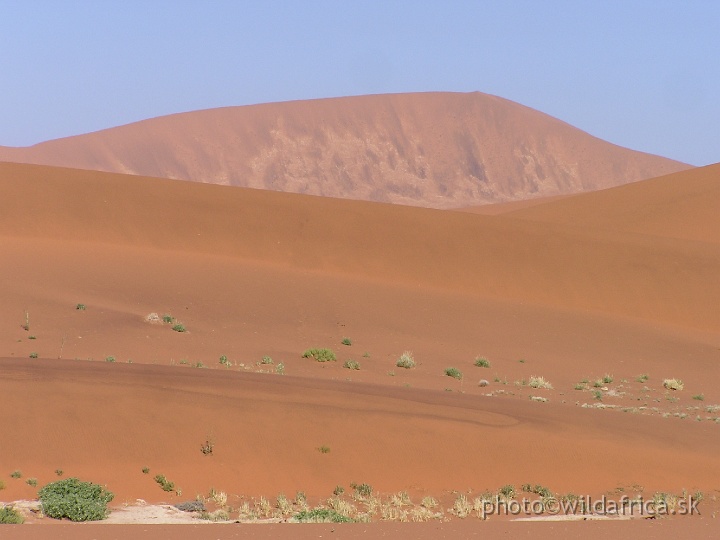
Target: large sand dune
pixel 437 150
pixel 252 273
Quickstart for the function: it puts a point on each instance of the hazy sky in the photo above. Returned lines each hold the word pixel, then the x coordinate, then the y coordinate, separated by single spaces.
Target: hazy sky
pixel 641 74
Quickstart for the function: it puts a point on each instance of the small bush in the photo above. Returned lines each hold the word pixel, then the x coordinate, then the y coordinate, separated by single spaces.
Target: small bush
pixel 75 500
pixel 597 394
pixel 280 368
pixel 266 360
pixel 33 355
pixel 454 373
pixel 321 355
pixel 224 360
pixel 207 448
pixel 579 386
pixel 10 516
pixel 32 337
pixel 406 360
pixel 507 491
pixel 352 364
pixel 539 382
pixel 146 470
pixel 607 379
pixel 322 515
pixel 31 482
pixel 673 384
pixel 324 449
pixel 346 341
pixel 642 378
pixel 110 359
pixel 179 328
pixel 481 361
pixel 164 483
pixel 59 472
pixel 363 490
pixel 80 307
pixel 699 397
pixel 339 490
pixel 16 474
pixel 191 506
pixel 167 319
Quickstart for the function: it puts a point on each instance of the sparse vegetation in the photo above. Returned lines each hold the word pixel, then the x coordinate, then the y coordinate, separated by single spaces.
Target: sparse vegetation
pixel 266 360
pixel 699 397
pixel 164 483
pixel 167 319
pixel 642 378
pixel 179 327
pixel 352 364
pixel 362 490
pixel 224 361
pixel 109 358
pixel 539 382
pixel 579 386
pixel 59 472
pixel 33 355
pixel 322 515
pixel 339 490
pixel 80 307
pixel 32 337
pixel 507 492
pixel 146 470
pixel 324 449
pixel 16 474
pixel 31 482
pixel 191 506
pixel 454 373
pixel 597 394
pixel 673 384
pixel 75 500
pixel 607 379
pixel 346 341
pixel 406 360
pixel 10 516
pixel 280 368
pixel 320 355
pixel 481 361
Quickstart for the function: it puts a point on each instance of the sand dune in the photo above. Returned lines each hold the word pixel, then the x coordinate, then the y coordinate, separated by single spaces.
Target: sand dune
pixel 254 273
pixel 439 150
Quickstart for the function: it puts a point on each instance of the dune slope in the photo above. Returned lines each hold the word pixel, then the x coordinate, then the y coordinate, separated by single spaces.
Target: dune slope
pixel 253 273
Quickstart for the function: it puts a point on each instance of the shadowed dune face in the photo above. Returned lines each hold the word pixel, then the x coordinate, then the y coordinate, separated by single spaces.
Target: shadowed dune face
pixel 439 150
pixel 252 273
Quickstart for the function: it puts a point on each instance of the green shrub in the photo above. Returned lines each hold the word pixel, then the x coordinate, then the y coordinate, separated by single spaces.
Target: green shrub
pixel 481 361
pixel 346 341
pixel 455 373
pixel 59 472
pixel 179 328
pixel 352 364
pixel 16 474
pixel 75 500
pixel 33 355
pixel 167 319
pixel 80 307
pixel 164 483
pixel 322 515
pixel 321 355
pixel 363 490
pixel 31 482
pixel 266 360
pixel 10 516
pixel 110 359
pixel 146 470
pixel 224 360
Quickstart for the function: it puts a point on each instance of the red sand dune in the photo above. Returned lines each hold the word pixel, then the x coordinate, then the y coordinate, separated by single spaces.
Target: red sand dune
pixel 253 273
pixel 439 150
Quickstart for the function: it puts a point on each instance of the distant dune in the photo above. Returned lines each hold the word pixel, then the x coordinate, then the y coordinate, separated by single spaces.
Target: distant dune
pixel 438 150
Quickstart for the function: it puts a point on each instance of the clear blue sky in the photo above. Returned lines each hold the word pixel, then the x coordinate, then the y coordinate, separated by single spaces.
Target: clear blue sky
pixel 642 74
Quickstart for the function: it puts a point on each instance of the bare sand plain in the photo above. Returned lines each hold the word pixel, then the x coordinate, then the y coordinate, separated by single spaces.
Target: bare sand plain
pixel 605 295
